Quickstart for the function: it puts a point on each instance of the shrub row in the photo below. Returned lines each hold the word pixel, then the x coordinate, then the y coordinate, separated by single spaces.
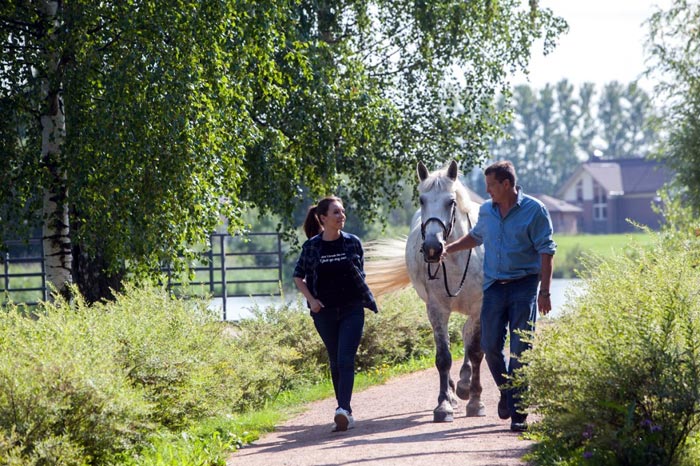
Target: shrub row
pixel 91 384
pixel 616 380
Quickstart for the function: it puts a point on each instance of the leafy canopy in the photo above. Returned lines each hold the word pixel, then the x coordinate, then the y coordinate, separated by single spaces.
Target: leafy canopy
pixel 181 113
pixel 675 57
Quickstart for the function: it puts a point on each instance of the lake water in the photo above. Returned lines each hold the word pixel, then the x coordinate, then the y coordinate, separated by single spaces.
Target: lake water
pixel 562 289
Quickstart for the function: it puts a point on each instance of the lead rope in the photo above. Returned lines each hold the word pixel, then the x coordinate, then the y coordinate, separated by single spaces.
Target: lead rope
pixel 464 275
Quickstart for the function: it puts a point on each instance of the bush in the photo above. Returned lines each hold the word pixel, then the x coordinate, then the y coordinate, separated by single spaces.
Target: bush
pixel 81 384
pixel 617 379
pixel 63 398
pixel 176 352
pixel 114 383
pixel 283 352
pixel 399 332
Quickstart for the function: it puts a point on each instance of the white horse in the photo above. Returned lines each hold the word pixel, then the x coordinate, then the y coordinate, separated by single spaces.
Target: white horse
pixel 453 285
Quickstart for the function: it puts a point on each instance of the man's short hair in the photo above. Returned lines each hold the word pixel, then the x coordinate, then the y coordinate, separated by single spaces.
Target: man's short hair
pixel 502 170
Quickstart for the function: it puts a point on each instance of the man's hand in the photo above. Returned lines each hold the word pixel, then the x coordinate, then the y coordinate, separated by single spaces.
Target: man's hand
pixel 443 256
pixel 544 303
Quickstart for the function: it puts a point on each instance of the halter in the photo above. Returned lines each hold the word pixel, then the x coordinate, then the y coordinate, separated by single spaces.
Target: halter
pixel 447 231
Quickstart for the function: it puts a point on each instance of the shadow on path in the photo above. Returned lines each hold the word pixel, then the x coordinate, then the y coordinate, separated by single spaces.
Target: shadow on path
pixel 393 427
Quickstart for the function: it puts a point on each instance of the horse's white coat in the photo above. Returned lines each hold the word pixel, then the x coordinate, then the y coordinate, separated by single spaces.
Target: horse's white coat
pixel 438 191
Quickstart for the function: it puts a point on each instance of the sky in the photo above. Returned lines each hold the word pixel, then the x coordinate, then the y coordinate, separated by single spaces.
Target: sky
pixel 605 42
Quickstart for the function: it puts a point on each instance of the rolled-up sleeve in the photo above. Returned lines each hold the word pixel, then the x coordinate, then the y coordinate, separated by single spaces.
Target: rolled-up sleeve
pixel 542 231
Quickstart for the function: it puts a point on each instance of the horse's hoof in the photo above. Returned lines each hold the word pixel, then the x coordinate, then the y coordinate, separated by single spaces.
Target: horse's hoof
pixel 476 410
pixel 443 417
pixel 462 391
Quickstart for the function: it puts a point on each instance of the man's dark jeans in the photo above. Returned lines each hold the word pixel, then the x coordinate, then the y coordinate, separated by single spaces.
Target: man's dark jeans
pixel 340 329
pixel 507 305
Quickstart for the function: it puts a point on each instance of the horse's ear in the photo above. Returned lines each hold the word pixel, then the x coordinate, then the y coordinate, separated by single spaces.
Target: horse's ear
pixel 452 170
pixel 422 171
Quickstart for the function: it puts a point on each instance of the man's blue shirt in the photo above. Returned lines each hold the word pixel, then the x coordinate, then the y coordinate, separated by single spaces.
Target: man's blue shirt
pixel 513 244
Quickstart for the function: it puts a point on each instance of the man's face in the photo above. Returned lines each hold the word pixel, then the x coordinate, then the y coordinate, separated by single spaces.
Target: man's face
pixel 498 190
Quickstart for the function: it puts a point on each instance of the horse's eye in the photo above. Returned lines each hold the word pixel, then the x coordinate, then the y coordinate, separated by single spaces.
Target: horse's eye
pixel 421 201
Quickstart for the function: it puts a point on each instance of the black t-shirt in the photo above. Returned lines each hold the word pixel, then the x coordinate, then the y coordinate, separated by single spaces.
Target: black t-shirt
pixel 335 285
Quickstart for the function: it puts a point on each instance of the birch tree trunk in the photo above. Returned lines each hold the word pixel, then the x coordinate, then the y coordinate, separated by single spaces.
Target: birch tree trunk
pixel 56 226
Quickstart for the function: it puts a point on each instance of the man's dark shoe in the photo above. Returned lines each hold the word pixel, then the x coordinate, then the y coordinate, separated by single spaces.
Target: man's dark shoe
pixel 518 426
pixel 503 411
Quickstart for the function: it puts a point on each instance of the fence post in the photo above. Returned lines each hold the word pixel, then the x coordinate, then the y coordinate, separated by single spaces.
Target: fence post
pixel 224 291
pixel 279 259
pixel 6 275
pixel 43 274
pixel 212 288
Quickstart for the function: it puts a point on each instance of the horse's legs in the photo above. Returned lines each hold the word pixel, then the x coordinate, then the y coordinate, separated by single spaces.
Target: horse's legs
pixel 469 385
pixel 443 361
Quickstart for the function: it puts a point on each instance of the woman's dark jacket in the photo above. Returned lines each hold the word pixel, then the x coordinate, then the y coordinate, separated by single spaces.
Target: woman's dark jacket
pixel 306 266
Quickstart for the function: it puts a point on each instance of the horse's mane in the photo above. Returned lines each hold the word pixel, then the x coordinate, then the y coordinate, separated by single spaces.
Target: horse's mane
pixel 439 180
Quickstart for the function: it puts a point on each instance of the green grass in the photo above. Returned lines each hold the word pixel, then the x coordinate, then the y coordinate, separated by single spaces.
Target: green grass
pixel 602 245
pixel 570 249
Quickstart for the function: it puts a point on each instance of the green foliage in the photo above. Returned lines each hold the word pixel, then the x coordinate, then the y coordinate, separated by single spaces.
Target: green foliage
pixel 63 396
pixel 674 59
pixel 297 357
pixel 616 379
pixel 177 114
pixel 176 353
pixel 149 379
pixel 208 444
pixel 81 383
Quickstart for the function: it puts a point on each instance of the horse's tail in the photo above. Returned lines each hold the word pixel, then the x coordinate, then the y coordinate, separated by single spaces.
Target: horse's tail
pixel 385 268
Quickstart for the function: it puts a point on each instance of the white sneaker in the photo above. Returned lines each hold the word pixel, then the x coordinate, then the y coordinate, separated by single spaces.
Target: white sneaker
pixel 343 420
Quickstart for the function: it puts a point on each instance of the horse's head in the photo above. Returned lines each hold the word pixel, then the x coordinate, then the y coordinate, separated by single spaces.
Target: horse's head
pixel 438 208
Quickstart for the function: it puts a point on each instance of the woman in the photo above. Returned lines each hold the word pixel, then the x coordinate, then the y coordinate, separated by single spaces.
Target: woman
pixel 330 275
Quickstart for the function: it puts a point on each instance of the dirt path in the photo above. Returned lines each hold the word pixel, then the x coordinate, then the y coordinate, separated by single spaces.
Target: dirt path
pixel 393 428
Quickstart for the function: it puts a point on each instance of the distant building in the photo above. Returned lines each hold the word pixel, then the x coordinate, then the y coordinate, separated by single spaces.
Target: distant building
pixel 609 192
pixel 565 216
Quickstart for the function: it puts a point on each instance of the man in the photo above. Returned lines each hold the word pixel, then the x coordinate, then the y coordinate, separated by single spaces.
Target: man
pixel 516 231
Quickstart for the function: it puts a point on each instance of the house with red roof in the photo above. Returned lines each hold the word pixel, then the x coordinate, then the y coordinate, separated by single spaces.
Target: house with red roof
pixel 609 192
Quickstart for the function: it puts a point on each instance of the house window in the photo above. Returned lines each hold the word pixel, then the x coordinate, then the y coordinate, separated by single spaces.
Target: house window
pixel 579 191
pixel 600 202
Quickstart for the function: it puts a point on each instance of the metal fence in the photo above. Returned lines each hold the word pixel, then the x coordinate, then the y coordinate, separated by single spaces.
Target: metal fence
pixel 235 266
pixel 23 273
pixel 232 266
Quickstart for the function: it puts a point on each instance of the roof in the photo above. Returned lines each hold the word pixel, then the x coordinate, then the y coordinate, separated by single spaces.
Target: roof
pixel 642 176
pixel 624 176
pixel 608 174
pixel 556 205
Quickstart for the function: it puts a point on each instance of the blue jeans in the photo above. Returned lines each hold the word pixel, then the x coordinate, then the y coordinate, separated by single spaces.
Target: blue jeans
pixel 340 329
pixel 511 305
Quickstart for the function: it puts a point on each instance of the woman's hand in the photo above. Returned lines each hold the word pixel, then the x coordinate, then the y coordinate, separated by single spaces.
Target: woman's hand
pixel 316 305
